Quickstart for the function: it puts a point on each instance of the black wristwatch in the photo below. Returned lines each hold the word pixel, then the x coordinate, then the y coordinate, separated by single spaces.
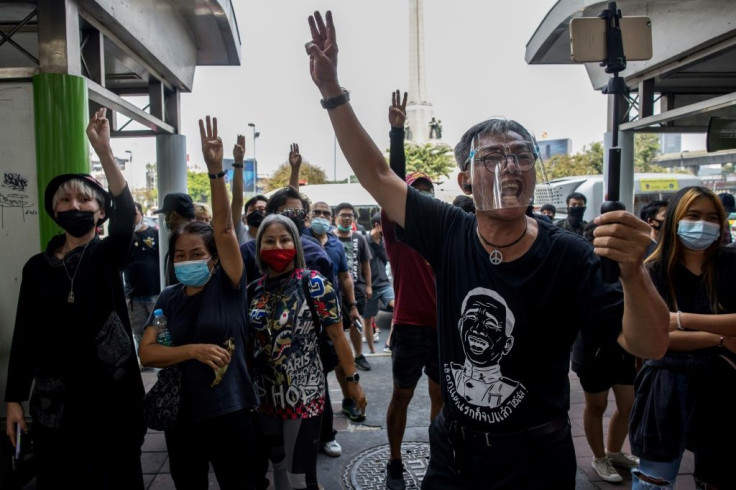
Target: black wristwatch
pixel 336 101
pixel 354 303
pixel 355 378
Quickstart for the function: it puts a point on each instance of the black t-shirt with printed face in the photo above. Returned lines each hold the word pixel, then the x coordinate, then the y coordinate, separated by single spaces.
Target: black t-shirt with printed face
pixel 506 330
pixel 357 251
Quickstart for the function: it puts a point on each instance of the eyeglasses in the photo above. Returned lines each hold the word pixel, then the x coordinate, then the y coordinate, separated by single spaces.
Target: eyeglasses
pixel 293 213
pixel 492 158
pixel 345 216
pixel 318 212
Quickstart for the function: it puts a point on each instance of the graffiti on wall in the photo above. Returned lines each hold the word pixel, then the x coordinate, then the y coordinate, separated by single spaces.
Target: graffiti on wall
pixel 14 201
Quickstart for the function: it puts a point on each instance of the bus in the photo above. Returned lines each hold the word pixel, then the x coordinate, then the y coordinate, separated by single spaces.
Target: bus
pixel 648 187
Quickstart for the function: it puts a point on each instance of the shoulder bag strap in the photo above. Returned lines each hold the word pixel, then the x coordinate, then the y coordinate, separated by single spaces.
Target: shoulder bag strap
pixel 310 300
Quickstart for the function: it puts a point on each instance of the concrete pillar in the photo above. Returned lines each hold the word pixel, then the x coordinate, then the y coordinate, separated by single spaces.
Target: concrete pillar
pixel 171 166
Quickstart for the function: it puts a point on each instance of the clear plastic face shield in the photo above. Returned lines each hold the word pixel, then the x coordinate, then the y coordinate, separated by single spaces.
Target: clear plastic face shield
pixel 502 172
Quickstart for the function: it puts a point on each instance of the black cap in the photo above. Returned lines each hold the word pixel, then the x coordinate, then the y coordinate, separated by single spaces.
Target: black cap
pixel 57 181
pixel 179 202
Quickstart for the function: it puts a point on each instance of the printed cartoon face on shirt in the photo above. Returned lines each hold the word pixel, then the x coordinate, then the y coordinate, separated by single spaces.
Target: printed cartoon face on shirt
pixel 477 387
pixel 483 331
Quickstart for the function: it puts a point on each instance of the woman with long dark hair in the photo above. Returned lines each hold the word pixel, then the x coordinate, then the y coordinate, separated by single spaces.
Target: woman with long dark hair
pixel 686 399
pixel 289 305
pixel 206 319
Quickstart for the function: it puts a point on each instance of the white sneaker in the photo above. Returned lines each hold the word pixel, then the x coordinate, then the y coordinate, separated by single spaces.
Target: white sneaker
pixel 606 471
pixel 332 448
pixel 375 337
pixel 623 459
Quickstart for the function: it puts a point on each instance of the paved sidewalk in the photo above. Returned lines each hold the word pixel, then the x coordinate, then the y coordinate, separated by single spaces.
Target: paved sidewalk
pixel 357 438
pixel 370 436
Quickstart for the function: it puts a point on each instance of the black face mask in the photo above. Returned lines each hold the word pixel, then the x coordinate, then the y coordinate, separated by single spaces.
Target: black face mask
pixel 254 219
pixel 77 223
pixel 576 213
pixel 299 224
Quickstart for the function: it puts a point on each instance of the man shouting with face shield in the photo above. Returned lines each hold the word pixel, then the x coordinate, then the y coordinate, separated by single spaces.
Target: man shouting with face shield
pixel 509 431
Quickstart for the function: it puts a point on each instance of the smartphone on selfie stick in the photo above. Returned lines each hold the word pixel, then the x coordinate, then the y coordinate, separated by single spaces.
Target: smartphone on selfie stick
pixel 586 40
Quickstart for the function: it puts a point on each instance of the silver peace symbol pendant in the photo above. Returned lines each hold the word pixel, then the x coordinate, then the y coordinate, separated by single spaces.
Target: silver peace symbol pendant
pixel 496 257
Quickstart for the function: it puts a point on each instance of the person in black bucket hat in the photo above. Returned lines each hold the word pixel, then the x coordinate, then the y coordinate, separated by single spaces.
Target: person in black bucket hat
pixel 72 348
pixel 84 183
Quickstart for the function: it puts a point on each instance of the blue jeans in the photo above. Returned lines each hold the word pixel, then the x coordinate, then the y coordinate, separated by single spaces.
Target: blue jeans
pixel 667 470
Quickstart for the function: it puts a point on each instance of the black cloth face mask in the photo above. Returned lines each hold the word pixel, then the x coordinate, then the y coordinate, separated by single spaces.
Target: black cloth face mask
pixel 254 219
pixel 576 213
pixel 77 223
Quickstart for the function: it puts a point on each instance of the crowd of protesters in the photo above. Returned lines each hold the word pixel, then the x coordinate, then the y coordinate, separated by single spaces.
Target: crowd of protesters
pixel 264 298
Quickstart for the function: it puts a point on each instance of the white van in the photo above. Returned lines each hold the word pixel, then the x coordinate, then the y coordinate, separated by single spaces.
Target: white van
pixel 648 187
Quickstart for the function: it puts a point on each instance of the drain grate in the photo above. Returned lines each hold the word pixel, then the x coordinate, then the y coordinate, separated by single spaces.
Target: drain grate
pixel 367 470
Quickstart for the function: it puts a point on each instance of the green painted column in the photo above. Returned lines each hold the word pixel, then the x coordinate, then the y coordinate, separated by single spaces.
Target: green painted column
pixel 61 115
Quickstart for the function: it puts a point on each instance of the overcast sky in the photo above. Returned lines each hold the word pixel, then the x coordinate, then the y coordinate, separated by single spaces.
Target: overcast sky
pixel 475 68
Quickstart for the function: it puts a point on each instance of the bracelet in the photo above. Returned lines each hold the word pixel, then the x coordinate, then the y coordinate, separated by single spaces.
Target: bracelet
pixel 720 342
pixel 678 316
pixel 354 303
pixel 237 165
pixel 218 175
pixel 336 101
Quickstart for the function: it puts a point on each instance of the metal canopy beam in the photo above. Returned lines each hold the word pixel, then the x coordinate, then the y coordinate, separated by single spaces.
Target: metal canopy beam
pixel 698 108
pixel 112 101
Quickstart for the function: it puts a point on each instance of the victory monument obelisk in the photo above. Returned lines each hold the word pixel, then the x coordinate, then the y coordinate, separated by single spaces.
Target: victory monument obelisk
pixel 421 123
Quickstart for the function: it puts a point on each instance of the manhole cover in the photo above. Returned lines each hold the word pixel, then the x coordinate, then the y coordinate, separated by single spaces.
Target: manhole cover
pixel 367 470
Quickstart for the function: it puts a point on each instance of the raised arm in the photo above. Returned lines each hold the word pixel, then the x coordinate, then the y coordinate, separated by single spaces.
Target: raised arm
pixel 98 132
pixel 237 187
pixel 397 118
pixel 361 152
pixel 295 162
pixel 225 239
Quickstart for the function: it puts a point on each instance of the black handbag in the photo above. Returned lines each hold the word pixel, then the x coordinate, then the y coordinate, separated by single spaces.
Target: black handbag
pixel 163 400
pixel 327 352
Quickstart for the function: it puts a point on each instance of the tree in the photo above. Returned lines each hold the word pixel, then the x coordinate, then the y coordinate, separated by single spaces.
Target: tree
pixel 434 159
pixel 308 172
pixel 198 186
pixel 646 147
pixel 589 162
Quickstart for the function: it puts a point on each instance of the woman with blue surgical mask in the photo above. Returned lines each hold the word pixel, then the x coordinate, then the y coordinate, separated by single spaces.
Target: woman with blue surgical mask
pixel 686 400
pixel 206 318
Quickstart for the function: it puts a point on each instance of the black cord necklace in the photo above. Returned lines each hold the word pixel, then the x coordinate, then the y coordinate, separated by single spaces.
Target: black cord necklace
pixel 496 257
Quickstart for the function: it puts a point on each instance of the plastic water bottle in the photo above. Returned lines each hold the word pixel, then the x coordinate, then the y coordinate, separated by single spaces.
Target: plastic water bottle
pixel 163 336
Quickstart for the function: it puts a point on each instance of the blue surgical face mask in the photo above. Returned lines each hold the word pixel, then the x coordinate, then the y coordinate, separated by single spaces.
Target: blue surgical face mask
pixel 320 225
pixel 698 235
pixel 193 272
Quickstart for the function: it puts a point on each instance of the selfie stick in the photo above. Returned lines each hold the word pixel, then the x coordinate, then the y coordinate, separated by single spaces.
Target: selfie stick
pixel 614 63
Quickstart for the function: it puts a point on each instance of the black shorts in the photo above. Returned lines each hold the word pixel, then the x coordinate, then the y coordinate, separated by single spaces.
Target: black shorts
pixel 346 312
pixel 414 347
pixel 606 371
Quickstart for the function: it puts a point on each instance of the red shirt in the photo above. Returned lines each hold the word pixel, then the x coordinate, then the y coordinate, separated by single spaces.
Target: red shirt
pixel 414 287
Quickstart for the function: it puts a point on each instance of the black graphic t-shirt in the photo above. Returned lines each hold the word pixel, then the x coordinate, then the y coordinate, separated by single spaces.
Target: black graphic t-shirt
pixel 506 330
pixel 357 251
pixel 142 270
